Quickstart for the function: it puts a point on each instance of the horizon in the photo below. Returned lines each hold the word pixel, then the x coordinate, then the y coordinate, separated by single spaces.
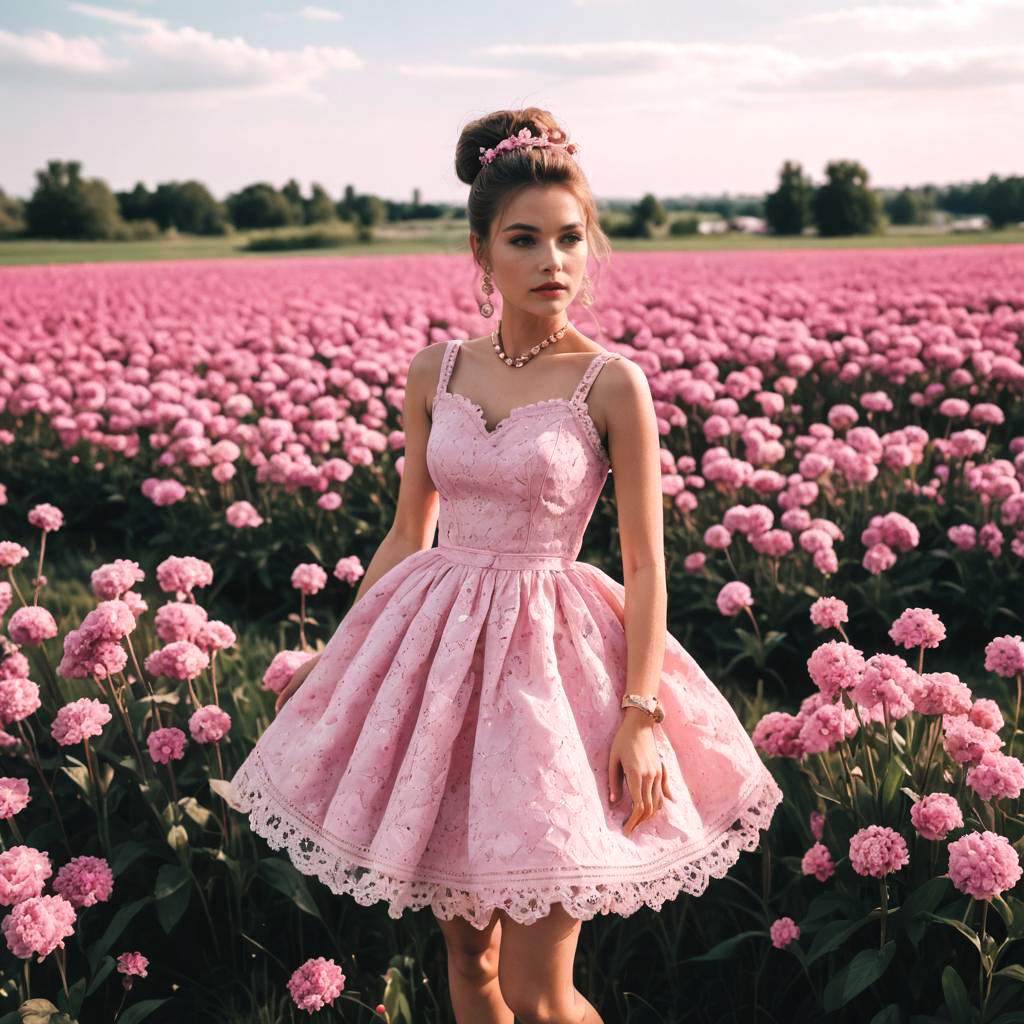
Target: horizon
pixel 920 93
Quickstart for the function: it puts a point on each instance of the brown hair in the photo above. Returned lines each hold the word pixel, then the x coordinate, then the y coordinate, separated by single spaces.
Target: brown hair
pixel 493 185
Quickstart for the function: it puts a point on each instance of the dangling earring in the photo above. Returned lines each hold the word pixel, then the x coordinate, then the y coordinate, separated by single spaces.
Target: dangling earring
pixel 587 298
pixel 486 307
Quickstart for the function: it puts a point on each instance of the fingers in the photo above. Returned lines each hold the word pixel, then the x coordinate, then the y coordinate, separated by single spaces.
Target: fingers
pixel 652 790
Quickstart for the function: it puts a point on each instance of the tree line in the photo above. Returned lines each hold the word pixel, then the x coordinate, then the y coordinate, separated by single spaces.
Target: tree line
pixel 65 204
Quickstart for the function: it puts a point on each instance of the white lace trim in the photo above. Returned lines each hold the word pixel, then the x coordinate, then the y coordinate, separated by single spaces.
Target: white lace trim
pixel 350 869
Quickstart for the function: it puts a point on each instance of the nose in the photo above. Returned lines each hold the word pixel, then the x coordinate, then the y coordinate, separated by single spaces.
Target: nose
pixel 551 260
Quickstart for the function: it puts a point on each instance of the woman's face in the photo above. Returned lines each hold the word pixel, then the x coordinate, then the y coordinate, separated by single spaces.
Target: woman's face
pixel 540 236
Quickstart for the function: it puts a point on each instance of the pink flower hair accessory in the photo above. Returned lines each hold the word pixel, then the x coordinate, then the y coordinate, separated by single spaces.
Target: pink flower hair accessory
pixel 523 139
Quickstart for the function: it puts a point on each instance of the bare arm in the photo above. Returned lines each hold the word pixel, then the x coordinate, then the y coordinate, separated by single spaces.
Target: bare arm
pixel 416 511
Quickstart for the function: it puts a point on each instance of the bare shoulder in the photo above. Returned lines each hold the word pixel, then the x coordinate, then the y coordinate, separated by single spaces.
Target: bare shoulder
pixel 424 372
pixel 623 382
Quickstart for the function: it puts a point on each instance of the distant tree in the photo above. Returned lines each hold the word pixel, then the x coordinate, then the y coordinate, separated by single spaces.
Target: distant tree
pixel 1004 200
pixel 135 205
pixel 908 206
pixel 12 216
pixel 292 191
pixel 369 210
pixel 320 207
pixel 845 205
pixel 259 206
pixel 788 209
pixel 66 205
pixel 647 214
pixel 188 206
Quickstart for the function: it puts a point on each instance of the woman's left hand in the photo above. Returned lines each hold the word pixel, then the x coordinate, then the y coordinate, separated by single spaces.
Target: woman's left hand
pixel 634 751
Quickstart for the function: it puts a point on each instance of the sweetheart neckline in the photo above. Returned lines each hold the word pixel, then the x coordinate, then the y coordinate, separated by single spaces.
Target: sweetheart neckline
pixel 579 407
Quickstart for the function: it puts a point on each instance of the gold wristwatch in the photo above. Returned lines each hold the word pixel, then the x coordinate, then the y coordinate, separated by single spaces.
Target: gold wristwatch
pixel 649 704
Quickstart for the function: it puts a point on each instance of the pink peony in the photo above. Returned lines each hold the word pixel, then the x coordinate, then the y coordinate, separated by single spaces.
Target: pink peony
pixel 309 577
pixel 166 744
pixel 829 612
pixel 38 925
pixel 963 536
pixel 23 873
pixel 242 515
pixel 316 984
pixel 112 580
pixel 877 850
pixel 918 627
pixel 79 719
pixel 14 796
pixel 966 742
pixel 694 562
pixel 778 735
pixel 983 864
pixel 1005 655
pixel 349 569
pixel 181 575
pixel 996 776
pixel 835 666
pixel 818 861
pixel 181 659
pixel 886 677
pixel 179 620
pixel 783 931
pixel 19 698
pixel 31 625
pixel 282 668
pixel 826 727
pixel 935 815
pixel 878 558
pixel 47 517
pixel 11 554
pixel 985 713
pixel 733 597
pixel 133 965
pixel 941 693
pixel 209 724
pixel 717 537
pixel 85 881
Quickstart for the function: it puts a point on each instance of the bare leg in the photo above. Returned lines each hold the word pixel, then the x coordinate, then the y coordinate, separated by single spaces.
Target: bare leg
pixel 535 970
pixel 473 971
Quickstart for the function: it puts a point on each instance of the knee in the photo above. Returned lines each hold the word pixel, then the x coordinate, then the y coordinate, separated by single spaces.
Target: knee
pixel 474 967
pixel 529 1008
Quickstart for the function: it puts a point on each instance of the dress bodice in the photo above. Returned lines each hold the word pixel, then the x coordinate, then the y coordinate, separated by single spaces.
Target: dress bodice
pixel 529 485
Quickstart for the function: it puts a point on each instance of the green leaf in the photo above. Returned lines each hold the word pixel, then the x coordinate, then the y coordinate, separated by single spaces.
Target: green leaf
pixel 1014 1017
pixel 888 1015
pixel 100 976
pixel 833 935
pixel 173 891
pixel 925 898
pixel 956 996
pixel 724 949
pixel 861 972
pixel 139 1011
pixel 894 775
pixel 283 876
pixel 117 925
pixel 968 933
pixel 78 773
pixel 1011 910
pixel 1014 971
pixel 124 853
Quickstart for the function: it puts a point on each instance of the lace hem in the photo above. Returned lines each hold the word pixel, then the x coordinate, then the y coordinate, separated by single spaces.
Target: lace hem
pixel 344 872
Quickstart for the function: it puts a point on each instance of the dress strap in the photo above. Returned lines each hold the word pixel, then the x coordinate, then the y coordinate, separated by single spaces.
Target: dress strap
pixel 593 369
pixel 451 350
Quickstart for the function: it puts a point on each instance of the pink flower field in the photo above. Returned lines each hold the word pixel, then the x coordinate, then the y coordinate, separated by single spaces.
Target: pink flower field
pixel 843 477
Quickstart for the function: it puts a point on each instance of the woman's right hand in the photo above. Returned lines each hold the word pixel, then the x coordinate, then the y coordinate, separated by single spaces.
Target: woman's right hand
pixel 297 679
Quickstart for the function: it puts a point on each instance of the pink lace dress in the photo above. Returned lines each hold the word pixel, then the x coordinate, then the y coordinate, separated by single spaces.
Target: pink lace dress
pixel 450 748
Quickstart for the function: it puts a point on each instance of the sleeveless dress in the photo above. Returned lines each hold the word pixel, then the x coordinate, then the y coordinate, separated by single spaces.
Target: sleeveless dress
pixel 450 748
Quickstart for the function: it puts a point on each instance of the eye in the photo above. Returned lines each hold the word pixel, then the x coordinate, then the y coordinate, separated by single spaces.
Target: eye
pixel 574 236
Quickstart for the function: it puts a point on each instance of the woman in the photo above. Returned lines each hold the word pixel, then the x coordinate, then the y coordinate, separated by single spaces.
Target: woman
pixel 462 740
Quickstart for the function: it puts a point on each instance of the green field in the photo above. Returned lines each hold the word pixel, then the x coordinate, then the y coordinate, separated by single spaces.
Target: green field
pixel 450 236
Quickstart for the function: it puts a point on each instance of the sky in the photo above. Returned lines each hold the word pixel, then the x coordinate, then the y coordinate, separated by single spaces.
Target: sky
pixel 665 96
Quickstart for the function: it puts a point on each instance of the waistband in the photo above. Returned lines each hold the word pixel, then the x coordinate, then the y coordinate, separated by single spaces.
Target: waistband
pixel 504 559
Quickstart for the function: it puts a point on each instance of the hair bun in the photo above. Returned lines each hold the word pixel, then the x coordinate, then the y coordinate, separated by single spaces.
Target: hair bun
pixel 488 131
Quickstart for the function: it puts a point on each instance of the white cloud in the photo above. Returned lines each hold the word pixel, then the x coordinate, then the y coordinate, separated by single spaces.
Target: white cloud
pixel 911 17
pixel 454 71
pixel 320 14
pixel 45 49
pixel 758 67
pixel 189 60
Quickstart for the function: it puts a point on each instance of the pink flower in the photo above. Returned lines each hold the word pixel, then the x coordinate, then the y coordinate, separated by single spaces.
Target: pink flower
pixel 316 984
pixel 829 612
pixel 166 744
pixel 733 597
pixel 47 517
pixel 132 964
pixel 694 562
pixel 181 659
pixel 112 580
pixel 835 666
pixel 983 864
pixel 963 536
pixel 778 735
pixel 996 776
pixel 38 925
pixel 774 543
pixel 109 620
pixel 1005 655
pixel 877 850
pixel 309 578
pixel 179 620
pixel 955 408
pixel 918 627
pixel 281 669
pixel 19 698
pixel 349 569
pixel 717 537
pixel 11 554
pixel 31 625
pixel 215 636
pixel 826 727
pixel 878 558
pixel 985 713
pixel 818 861
pixel 79 719
pixel 826 560
pixel 163 492
pixel 942 693
pixel 23 873
pixel 209 724
pixel 935 815
pixel 14 796
pixel 181 575
pixel 966 742
pixel 783 931
pixel 888 678
pixel 242 515
pixel 85 881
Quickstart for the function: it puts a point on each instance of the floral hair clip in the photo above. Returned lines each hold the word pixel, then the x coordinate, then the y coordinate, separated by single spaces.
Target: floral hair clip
pixel 524 139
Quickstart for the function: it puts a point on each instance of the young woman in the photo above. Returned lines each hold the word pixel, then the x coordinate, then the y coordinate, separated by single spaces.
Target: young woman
pixel 462 740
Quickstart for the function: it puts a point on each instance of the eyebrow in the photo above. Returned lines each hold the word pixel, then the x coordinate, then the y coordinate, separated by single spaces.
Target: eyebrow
pixel 530 227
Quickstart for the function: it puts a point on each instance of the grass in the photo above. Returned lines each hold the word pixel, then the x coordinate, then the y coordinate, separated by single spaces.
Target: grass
pixel 450 236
